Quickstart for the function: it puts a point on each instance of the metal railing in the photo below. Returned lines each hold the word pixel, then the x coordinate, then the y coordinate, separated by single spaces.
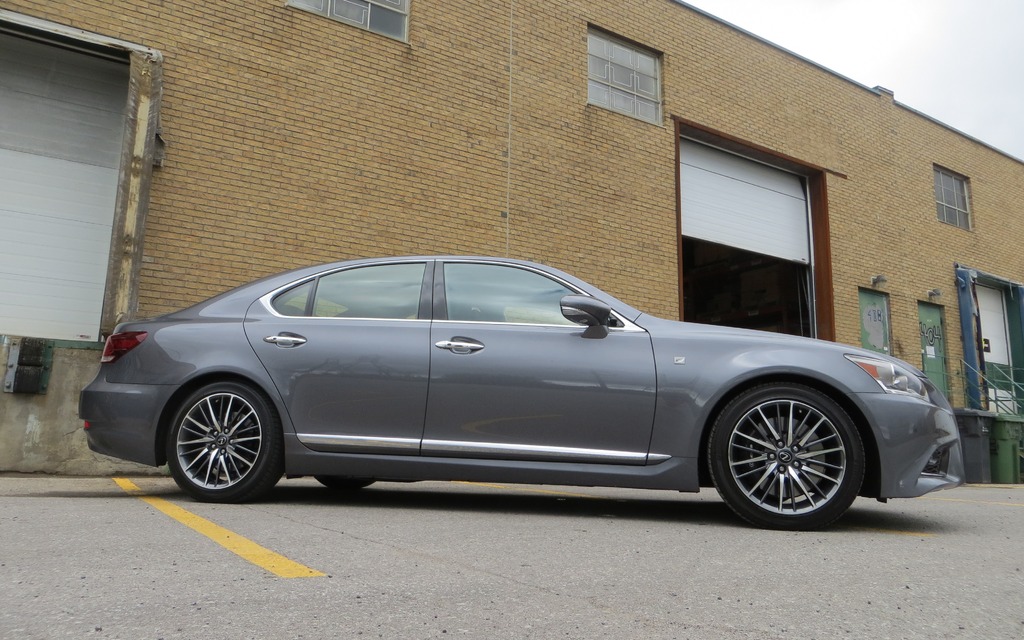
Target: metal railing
pixel 998 388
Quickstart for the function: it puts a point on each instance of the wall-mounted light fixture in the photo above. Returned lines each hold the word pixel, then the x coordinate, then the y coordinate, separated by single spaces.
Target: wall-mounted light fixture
pixel 877 280
pixel 934 293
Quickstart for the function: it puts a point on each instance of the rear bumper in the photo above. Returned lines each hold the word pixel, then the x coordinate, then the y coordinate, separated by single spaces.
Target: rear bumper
pixel 124 419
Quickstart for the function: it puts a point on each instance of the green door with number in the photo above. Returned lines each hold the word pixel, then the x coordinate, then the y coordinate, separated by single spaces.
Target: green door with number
pixel 874 320
pixel 933 344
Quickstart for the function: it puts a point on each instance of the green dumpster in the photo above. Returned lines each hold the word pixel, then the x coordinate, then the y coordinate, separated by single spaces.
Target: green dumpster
pixel 1004 441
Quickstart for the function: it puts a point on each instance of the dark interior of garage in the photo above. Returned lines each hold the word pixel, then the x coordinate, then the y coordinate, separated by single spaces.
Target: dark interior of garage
pixel 727 286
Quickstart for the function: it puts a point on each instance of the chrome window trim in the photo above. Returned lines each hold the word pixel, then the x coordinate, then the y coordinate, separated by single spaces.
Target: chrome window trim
pixel 356 319
pixel 265 300
pixel 628 327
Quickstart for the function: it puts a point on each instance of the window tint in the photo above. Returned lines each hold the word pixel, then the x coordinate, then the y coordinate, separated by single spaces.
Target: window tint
pixel 387 291
pixel 496 293
pixel 293 301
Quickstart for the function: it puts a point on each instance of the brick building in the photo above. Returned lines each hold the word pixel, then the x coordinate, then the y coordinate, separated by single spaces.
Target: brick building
pixel 682 164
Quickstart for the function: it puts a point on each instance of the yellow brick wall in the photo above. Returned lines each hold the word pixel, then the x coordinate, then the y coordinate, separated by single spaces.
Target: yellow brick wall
pixel 293 139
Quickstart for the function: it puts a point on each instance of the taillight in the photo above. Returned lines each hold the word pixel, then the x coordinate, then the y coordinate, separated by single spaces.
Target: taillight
pixel 121 343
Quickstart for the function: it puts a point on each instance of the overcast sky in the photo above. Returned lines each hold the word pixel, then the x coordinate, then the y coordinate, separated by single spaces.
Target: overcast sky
pixel 958 61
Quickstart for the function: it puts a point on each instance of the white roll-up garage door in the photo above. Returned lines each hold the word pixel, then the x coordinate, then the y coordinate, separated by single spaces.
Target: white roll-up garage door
pixel 740 203
pixel 61 127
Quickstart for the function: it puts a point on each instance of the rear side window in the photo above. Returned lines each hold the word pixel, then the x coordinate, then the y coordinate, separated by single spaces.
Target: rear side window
pixel 390 292
pixel 293 302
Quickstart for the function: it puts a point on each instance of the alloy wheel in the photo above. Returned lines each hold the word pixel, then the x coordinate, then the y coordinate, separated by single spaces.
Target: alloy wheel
pixel 787 457
pixel 219 440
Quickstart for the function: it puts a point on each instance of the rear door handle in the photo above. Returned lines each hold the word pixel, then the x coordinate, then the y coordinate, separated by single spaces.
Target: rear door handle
pixel 459 345
pixel 285 340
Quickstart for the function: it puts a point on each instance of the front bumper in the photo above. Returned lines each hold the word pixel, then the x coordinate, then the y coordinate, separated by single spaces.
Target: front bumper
pixel 918 445
pixel 123 419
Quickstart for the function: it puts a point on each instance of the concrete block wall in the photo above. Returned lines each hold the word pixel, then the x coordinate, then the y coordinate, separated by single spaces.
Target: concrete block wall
pixel 43 433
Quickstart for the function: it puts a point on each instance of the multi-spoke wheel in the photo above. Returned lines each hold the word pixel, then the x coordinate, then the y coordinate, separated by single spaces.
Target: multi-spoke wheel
pixel 225 444
pixel 785 456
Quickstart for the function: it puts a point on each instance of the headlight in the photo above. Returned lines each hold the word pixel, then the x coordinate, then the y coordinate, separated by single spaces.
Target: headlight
pixel 890 376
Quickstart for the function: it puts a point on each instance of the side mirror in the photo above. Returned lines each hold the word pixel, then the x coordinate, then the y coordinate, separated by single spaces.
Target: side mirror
pixel 587 311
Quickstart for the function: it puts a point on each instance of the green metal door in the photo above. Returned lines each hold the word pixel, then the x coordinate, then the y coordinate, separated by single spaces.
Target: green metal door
pixel 933 344
pixel 874 320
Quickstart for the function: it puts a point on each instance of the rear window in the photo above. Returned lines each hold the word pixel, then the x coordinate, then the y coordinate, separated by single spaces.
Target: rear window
pixel 390 291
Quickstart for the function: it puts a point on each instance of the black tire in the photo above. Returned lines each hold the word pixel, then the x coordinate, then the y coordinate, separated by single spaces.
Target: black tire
pixel 225 444
pixel 786 456
pixel 341 483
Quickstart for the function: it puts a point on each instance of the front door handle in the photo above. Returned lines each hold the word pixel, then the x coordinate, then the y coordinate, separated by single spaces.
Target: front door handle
pixel 459 345
pixel 285 340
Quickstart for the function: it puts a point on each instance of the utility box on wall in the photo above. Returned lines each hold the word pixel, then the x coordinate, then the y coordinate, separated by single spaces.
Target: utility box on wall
pixel 29 364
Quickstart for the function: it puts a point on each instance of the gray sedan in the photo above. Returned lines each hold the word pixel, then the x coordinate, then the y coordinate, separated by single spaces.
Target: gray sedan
pixel 498 370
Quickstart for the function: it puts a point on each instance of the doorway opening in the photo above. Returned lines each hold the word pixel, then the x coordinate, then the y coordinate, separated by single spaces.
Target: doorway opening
pixel 728 286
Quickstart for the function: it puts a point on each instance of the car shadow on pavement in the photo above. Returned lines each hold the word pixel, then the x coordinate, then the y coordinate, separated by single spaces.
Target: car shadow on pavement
pixel 700 509
pixel 867 515
pixel 527 500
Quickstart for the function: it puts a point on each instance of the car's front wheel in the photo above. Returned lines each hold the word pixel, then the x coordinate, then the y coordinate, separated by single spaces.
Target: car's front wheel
pixel 786 456
pixel 225 444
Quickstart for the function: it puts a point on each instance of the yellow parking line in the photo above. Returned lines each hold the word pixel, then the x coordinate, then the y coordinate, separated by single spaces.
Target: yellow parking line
pixel 262 557
pixel 1001 504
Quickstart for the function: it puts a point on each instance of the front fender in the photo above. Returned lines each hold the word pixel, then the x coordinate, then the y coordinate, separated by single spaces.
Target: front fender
pixel 699 369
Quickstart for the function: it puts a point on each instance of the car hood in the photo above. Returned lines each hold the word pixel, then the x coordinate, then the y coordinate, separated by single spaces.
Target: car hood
pixel 663 328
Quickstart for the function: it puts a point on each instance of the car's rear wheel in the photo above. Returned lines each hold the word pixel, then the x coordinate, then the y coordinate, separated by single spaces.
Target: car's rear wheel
pixel 785 456
pixel 225 444
pixel 341 483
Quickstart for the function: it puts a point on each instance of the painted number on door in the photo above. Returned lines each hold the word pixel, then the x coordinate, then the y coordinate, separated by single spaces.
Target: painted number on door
pixel 933 344
pixel 874 321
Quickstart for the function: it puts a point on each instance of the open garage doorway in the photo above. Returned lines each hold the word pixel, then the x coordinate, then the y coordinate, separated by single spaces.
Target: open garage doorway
pixel 749 253
pixel 728 286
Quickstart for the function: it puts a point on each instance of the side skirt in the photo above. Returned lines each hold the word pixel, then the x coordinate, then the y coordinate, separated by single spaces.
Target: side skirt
pixel 677 474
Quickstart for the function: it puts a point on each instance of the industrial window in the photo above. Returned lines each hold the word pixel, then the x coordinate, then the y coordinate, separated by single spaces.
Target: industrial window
pixel 951 201
pixel 623 77
pixel 387 17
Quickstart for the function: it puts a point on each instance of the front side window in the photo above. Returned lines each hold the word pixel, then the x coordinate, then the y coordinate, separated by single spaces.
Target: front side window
pixel 951 200
pixel 386 17
pixel 390 292
pixel 498 293
pixel 623 77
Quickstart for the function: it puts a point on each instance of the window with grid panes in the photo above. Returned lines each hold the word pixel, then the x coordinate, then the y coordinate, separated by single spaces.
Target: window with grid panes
pixel 623 77
pixel 387 17
pixel 951 199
